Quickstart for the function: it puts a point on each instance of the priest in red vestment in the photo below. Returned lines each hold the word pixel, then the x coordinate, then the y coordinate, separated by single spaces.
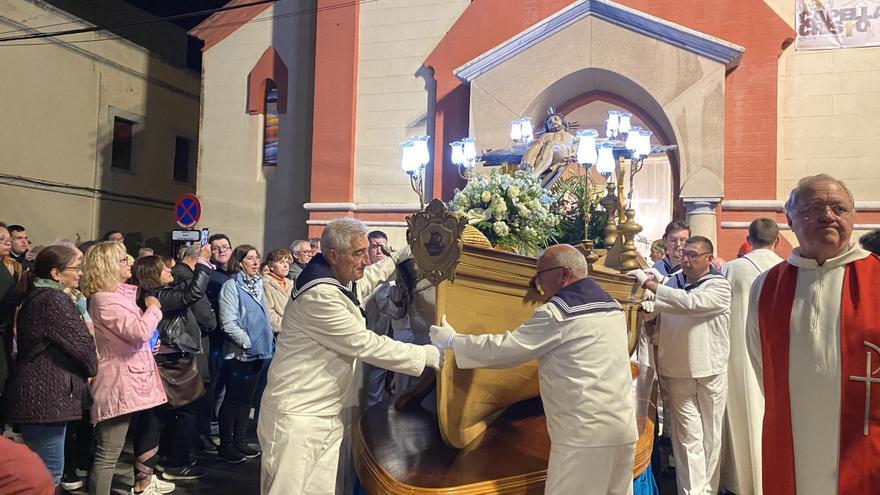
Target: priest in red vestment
pixel 813 334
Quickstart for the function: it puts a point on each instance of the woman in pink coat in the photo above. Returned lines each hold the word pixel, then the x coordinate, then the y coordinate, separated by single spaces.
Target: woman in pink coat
pixel 128 385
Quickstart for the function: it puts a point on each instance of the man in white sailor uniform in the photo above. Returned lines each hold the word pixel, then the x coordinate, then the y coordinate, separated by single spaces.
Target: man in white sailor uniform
pixel 694 309
pixel 322 334
pixel 580 341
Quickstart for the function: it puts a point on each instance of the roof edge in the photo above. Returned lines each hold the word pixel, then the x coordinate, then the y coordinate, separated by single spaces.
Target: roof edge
pixel 221 24
pixel 702 44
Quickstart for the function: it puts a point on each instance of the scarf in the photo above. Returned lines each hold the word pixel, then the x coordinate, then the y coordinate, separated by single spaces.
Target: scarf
pixel 281 280
pixel 250 284
pixel 76 297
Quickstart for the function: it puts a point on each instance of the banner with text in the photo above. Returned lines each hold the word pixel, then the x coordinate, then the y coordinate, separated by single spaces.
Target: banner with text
pixel 825 24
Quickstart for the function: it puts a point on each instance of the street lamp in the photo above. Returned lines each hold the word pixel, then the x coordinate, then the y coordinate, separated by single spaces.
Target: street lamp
pixel 415 156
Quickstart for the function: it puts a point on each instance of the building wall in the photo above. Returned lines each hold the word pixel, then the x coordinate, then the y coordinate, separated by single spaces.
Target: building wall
pixel 395 37
pixel 61 96
pixel 253 204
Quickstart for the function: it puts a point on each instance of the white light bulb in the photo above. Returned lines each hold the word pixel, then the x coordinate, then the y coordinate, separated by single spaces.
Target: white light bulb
pixel 625 125
pixel 586 152
pixel 422 155
pixel 457 153
pixel 644 143
pixel 632 138
pixel 408 158
pixel 526 130
pixel 516 130
pixel 469 149
pixel 605 162
pixel 613 123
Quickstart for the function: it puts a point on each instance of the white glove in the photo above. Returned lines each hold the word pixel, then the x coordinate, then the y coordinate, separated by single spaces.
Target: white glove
pixel 659 277
pixel 640 276
pixel 442 335
pixel 435 357
pixel 402 255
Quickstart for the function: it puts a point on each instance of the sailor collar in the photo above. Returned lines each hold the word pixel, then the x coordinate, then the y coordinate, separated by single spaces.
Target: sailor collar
pixel 582 298
pixel 317 272
pixel 679 281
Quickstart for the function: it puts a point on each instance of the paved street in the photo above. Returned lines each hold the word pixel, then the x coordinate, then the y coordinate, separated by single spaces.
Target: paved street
pixel 222 478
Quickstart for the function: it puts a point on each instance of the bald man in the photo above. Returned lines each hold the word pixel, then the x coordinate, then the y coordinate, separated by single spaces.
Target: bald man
pixel 579 339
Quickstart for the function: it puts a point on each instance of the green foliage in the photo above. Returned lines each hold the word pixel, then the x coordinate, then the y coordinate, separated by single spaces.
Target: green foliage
pixel 569 194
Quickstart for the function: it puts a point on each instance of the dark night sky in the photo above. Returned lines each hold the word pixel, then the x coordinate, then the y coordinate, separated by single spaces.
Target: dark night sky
pixel 162 8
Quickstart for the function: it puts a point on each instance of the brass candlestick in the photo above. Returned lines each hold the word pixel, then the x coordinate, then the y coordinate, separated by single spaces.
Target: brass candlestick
pixel 610 203
pixel 628 254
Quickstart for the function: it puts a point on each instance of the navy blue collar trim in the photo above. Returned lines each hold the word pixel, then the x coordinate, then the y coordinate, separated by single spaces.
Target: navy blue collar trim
pixel 584 297
pixel 667 265
pixel 680 281
pixel 318 272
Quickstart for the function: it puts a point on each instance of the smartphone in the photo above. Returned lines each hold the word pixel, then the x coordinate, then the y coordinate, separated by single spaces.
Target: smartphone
pixel 154 339
pixel 204 239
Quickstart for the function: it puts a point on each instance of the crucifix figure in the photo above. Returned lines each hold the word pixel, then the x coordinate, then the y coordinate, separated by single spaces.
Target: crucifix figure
pixel 868 379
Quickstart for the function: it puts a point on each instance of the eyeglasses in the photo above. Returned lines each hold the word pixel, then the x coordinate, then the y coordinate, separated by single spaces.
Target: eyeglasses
pixel 816 212
pixel 76 268
pixel 691 255
pixel 220 249
pixel 538 274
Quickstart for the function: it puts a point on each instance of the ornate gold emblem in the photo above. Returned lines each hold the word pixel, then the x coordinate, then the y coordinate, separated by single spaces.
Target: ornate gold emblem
pixel 434 235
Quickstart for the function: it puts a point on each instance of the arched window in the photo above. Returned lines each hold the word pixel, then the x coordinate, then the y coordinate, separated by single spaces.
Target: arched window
pixel 270 126
pixel 267 95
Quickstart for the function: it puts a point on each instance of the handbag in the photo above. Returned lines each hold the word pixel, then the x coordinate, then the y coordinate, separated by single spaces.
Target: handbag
pixel 181 379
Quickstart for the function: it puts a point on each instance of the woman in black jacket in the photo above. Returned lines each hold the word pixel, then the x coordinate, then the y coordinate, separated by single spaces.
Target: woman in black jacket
pixel 179 342
pixel 56 355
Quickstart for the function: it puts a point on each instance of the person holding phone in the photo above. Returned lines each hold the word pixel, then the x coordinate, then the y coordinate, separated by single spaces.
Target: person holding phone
pixel 128 382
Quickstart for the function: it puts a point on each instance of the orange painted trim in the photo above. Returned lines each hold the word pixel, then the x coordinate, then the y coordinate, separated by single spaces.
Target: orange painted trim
pixel 270 67
pixel 219 25
pixel 335 107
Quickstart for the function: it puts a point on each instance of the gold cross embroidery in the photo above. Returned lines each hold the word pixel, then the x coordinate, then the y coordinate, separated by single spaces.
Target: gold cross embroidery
pixel 868 379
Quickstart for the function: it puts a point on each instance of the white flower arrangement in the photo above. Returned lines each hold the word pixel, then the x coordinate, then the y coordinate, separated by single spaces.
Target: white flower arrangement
pixel 513 211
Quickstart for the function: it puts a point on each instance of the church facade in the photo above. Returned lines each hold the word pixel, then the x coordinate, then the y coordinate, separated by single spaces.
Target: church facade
pixel 305 104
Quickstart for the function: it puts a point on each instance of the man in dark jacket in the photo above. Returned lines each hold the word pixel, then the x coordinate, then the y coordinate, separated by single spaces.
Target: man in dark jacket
pixel 201 309
pixel 21 247
pixel 221 251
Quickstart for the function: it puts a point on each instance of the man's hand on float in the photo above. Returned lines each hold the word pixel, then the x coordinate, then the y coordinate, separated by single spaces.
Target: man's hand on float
pixel 640 276
pixel 436 357
pixel 401 255
pixel 442 335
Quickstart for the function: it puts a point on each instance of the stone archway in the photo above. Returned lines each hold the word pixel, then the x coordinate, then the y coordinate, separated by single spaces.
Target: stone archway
pixel 676 76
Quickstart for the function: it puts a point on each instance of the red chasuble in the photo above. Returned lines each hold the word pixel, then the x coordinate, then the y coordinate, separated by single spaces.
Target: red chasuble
pixel 859 458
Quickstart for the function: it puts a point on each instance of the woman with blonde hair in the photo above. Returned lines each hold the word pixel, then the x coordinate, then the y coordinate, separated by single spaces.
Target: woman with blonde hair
pixel 128 380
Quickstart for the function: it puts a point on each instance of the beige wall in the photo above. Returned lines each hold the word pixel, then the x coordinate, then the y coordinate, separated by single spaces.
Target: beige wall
pixel 395 37
pixel 57 126
pixel 829 116
pixel 251 204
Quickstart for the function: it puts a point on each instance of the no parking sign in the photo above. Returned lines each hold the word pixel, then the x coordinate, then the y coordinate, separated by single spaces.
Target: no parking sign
pixel 187 210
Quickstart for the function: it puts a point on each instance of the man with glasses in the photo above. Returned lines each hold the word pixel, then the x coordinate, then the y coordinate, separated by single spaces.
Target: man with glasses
pixel 302 253
pixel 694 309
pixel 221 251
pixel 814 341
pixel 580 341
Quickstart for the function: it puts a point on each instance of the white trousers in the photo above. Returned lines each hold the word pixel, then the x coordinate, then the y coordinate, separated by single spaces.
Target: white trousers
pixel 590 470
pixel 300 453
pixel 696 408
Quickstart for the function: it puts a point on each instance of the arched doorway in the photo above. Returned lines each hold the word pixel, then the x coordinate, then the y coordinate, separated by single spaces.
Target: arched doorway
pixel 654 188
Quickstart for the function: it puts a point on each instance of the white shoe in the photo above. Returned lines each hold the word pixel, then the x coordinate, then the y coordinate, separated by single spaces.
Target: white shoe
pixel 161 486
pixel 150 490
